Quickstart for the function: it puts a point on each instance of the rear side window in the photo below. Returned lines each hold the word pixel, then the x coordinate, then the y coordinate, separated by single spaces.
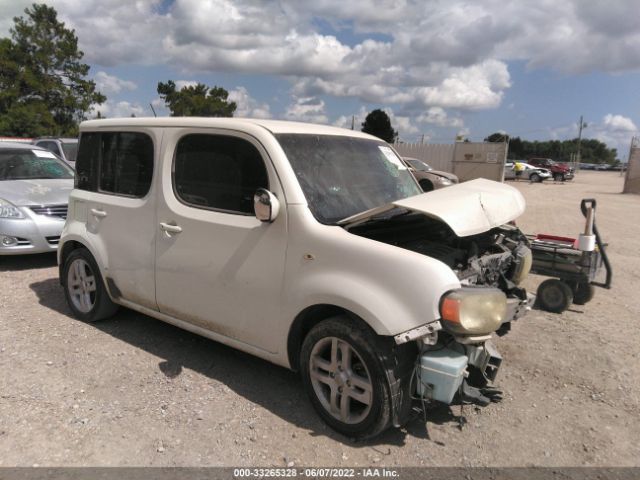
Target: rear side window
pixel 120 163
pixel 218 172
pixel 87 162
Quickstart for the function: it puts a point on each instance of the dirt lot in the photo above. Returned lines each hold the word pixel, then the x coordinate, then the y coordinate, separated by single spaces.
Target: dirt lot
pixel 135 391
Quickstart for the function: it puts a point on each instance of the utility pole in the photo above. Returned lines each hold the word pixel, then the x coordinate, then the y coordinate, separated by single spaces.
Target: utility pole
pixel 578 157
pixel 353 122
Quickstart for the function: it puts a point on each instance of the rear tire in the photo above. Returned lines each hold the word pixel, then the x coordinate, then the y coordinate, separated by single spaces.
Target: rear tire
pixel 84 289
pixel 343 371
pixel 554 295
pixel 583 293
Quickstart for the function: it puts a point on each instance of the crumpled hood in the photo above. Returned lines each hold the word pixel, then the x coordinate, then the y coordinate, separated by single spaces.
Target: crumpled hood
pixel 468 208
pixel 37 191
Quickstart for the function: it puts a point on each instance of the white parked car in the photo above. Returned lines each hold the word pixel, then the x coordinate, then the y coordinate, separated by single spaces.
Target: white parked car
pixel 310 246
pixel 531 173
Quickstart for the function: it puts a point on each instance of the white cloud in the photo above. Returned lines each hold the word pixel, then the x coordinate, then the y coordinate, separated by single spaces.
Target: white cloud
pixel 111 109
pixel 110 84
pixel 247 106
pixel 401 123
pixel 180 84
pixel 411 55
pixel 307 109
pixel 438 116
pixel 618 123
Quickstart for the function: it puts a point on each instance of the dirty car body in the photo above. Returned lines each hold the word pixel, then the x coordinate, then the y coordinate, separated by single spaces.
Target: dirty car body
pixel 378 293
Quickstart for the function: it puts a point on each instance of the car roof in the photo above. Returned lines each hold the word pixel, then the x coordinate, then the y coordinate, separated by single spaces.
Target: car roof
pixel 274 126
pixel 19 146
pixel 60 139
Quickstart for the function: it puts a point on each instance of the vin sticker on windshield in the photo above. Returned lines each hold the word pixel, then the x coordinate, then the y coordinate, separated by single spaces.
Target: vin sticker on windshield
pixel 43 154
pixel 392 157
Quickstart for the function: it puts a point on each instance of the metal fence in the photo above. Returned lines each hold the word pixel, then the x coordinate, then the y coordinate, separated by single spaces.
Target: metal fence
pixel 438 155
pixel 632 178
pixel 468 160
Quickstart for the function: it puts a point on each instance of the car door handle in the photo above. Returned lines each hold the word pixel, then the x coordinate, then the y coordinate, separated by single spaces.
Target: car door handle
pixel 98 213
pixel 170 228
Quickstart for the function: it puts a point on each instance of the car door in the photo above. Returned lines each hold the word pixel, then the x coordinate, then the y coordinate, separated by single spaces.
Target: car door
pixel 117 169
pixel 217 266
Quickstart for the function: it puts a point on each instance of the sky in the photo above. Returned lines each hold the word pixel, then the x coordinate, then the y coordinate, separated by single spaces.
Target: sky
pixel 439 68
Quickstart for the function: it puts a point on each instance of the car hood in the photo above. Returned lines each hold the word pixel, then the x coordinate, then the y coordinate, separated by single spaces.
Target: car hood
pixel 468 208
pixel 37 191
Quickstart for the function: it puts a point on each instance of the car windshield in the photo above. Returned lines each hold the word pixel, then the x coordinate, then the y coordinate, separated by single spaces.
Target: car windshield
pixel 26 164
pixel 419 165
pixel 70 150
pixel 342 176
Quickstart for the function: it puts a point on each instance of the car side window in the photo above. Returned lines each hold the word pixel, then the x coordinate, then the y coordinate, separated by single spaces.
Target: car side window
pixel 119 163
pixel 87 162
pixel 126 163
pixel 218 172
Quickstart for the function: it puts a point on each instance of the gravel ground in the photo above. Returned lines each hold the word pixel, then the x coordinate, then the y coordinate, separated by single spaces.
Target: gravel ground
pixel 135 391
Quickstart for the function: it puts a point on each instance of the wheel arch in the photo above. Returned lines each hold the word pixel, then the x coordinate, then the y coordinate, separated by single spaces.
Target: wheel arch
pixel 74 244
pixel 309 318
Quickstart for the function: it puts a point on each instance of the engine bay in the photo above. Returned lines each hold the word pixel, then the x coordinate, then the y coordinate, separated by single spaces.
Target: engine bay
pixel 495 258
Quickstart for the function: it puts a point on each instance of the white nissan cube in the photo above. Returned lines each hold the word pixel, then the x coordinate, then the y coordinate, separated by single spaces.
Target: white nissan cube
pixel 310 246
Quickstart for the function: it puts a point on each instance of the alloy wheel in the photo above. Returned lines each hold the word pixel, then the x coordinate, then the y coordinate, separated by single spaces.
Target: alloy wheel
pixel 81 284
pixel 341 380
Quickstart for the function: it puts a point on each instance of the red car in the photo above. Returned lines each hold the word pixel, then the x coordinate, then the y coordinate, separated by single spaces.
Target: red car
pixel 559 171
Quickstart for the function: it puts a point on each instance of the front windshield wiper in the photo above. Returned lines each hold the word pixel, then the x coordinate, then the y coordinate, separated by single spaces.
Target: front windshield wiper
pixel 396 212
pixel 376 217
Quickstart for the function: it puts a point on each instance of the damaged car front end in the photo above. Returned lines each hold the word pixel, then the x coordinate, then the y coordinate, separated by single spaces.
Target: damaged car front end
pixel 417 283
pixel 467 228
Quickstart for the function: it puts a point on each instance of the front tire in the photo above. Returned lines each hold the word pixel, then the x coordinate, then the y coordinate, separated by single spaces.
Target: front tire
pixel 535 178
pixel 84 289
pixel 554 295
pixel 558 177
pixel 343 371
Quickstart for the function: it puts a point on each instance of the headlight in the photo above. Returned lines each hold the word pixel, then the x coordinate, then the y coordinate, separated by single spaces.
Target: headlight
pixel 475 311
pixel 9 210
pixel 445 181
pixel 523 259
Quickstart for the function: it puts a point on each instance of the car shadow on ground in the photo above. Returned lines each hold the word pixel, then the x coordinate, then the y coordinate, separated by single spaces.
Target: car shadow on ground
pixel 276 389
pixel 14 263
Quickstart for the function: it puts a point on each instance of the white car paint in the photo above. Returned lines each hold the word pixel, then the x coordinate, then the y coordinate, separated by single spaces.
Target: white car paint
pixel 242 282
pixel 468 208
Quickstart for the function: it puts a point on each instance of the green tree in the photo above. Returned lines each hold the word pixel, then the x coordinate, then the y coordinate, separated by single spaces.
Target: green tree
pixel 44 90
pixel 497 138
pixel 591 150
pixel 377 123
pixel 196 100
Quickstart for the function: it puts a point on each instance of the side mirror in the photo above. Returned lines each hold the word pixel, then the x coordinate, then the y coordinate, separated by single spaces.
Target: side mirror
pixel 266 205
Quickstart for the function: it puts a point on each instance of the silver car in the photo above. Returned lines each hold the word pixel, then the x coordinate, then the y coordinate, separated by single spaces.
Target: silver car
pixel 531 173
pixel 34 194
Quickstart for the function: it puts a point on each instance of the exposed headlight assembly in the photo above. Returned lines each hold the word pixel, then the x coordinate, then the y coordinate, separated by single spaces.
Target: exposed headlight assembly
pixel 523 259
pixel 473 311
pixel 9 210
